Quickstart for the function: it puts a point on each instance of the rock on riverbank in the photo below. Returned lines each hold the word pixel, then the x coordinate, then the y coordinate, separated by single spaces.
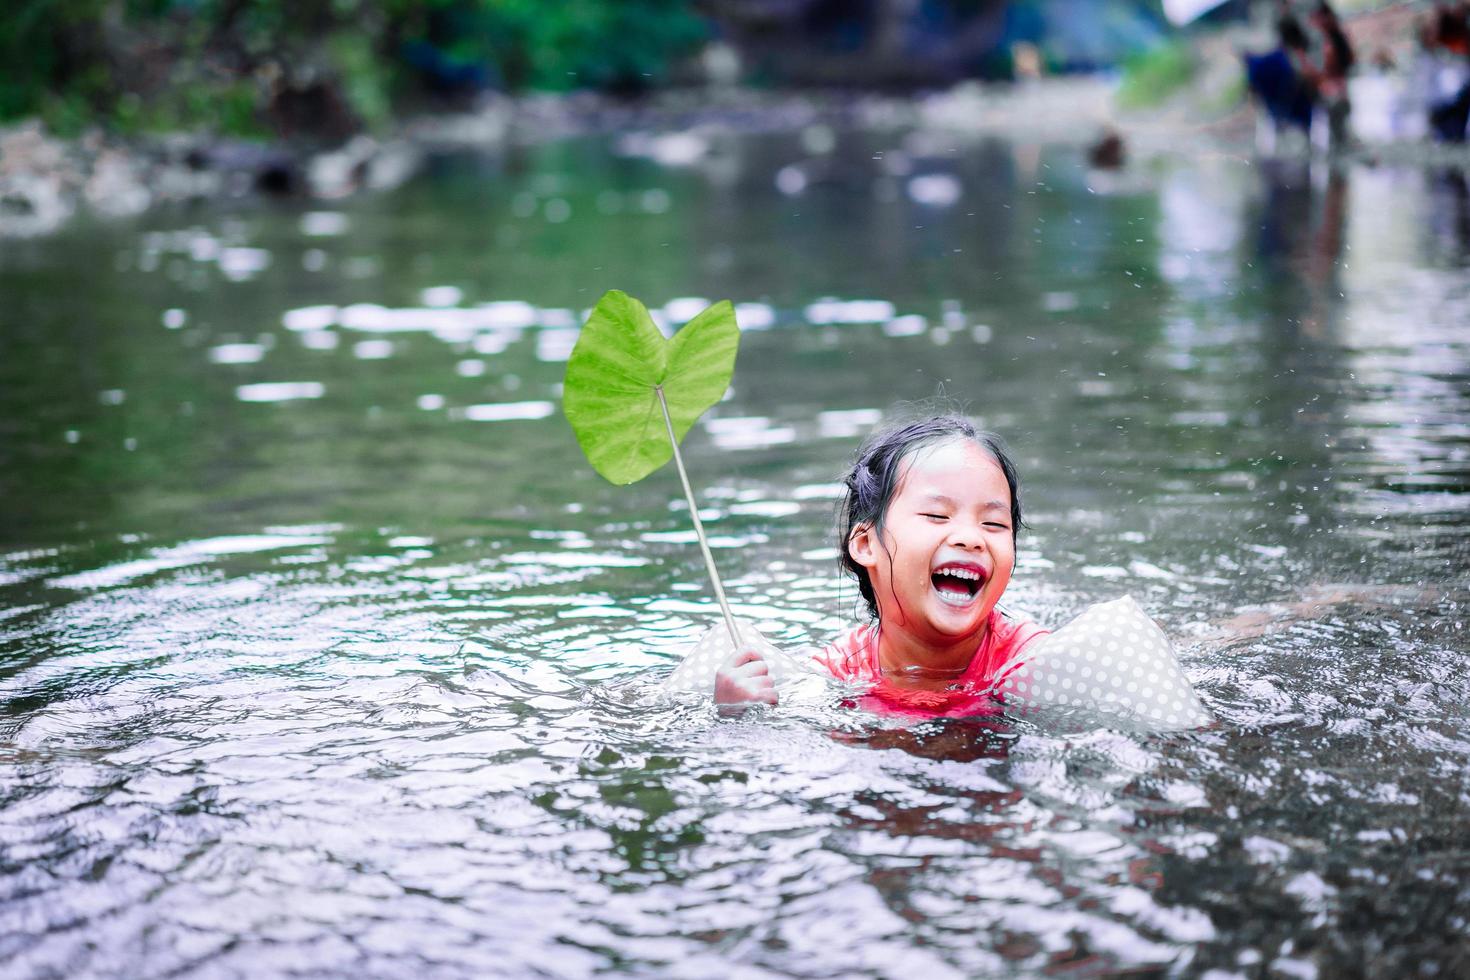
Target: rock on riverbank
pixel 45 180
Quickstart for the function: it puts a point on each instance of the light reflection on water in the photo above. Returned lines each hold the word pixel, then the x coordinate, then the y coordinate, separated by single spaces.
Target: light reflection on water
pixel 324 659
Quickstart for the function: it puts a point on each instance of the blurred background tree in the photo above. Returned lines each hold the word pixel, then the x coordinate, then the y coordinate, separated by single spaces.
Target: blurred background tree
pixel 323 69
pixel 319 68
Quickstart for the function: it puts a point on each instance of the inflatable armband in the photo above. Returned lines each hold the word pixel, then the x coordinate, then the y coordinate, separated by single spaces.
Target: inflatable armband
pixel 1111 657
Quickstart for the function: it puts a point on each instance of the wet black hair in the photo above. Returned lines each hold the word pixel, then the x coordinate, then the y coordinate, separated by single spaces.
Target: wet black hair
pixel 1291 33
pixel 873 478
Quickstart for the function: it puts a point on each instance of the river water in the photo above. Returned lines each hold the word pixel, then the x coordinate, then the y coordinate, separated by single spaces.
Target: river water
pixel 323 651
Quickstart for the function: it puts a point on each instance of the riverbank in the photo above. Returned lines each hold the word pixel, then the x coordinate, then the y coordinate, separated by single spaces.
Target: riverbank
pixel 46 180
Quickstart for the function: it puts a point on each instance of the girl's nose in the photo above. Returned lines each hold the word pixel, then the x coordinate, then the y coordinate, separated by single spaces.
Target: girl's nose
pixel 964 535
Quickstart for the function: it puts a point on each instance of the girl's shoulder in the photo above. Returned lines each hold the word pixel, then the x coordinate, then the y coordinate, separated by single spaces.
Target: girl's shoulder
pixel 852 655
pixel 1007 636
pixel 1014 630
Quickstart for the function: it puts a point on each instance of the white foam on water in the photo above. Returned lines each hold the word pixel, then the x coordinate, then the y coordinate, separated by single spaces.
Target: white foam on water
pixel 909 325
pixel 834 311
pixel 494 341
pixel 309 318
pixel 689 537
pixel 365 316
pixel 430 403
pixel 506 313
pixel 754 316
pixel 441 296
pixel 237 354
pixel 685 308
pixel 556 318
pixel 203 248
pixel 766 508
pixel 818 491
pixel 790 180
pixel 1059 302
pixel 845 423
pixel 280 391
pixel 179 556
pixel 320 340
pixel 470 367
pixel 372 318
pixel 734 424
pixel 324 224
pixel 935 190
pixel 553 346
pixel 573 559
pixel 754 438
pixel 239 263
pixel 506 411
pixel 372 350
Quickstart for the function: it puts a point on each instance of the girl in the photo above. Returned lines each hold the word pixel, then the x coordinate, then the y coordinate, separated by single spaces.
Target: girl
pixel 928 528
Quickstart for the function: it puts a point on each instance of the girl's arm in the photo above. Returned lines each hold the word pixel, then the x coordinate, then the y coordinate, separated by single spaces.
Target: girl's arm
pixel 1316 602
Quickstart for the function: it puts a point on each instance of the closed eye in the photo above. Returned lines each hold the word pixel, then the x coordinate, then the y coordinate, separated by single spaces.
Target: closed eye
pixel 998 525
pixel 935 517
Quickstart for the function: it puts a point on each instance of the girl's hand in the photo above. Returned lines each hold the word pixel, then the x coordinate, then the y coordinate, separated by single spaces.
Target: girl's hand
pixel 743 679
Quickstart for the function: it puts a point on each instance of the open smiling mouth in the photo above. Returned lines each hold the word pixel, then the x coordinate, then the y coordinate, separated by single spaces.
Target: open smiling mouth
pixel 957 585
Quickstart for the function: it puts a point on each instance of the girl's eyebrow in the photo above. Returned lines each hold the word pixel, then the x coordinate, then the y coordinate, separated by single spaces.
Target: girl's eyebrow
pixel 939 498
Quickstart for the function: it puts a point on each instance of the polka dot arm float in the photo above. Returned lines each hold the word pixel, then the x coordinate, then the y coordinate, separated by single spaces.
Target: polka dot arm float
pixel 792 675
pixel 1112 658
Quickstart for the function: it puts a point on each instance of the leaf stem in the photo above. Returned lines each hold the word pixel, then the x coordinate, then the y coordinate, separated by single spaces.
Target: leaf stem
pixel 709 559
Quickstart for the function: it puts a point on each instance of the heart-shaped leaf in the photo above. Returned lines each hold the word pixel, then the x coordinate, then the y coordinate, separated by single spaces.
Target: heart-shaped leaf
pixel 621 360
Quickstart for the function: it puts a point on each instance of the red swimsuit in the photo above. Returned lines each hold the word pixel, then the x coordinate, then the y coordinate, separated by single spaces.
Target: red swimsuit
pixel 853 657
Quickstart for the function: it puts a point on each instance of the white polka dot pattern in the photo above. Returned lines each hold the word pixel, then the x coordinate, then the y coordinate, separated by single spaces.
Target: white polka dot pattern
pixel 1113 656
pixel 697 671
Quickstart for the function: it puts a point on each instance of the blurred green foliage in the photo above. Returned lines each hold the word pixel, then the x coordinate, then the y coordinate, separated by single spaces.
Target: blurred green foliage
pixel 256 67
pixel 1152 76
pixel 606 44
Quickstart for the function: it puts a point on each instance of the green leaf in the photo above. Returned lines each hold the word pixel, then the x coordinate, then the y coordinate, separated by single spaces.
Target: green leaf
pixel 610 394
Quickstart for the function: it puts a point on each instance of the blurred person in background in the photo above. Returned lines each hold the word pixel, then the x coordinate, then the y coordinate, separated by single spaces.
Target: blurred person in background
pixel 1329 77
pixel 1442 71
pixel 1282 82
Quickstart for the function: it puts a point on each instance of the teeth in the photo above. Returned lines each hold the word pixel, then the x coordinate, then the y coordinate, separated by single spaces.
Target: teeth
pixel 961 573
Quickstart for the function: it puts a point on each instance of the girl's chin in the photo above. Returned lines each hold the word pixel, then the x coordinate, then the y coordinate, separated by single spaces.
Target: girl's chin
pixel 956 619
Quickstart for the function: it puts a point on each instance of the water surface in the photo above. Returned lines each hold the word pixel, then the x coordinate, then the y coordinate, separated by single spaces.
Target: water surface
pixel 323 651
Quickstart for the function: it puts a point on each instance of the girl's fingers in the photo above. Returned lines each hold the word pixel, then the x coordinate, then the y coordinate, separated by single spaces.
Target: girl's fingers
pixel 745 656
pixel 754 690
pixel 745 677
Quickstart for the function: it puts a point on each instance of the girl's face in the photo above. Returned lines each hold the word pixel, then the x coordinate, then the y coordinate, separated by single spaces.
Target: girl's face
pixel 946 552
